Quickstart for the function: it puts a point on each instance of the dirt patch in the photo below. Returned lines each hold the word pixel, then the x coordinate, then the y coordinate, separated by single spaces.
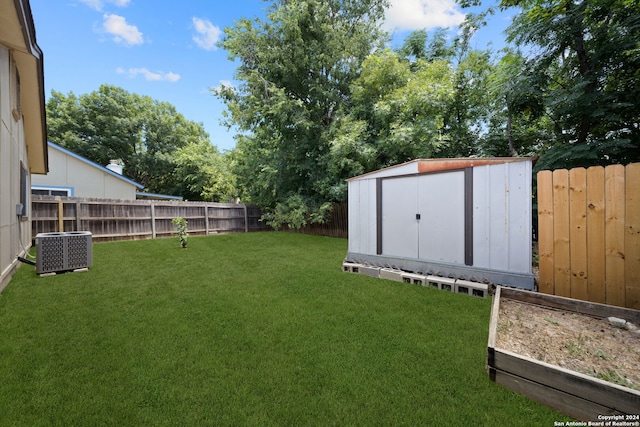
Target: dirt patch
pixel 572 341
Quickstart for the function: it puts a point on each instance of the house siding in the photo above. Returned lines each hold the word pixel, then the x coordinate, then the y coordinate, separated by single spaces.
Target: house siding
pixel 83 177
pixel 13 153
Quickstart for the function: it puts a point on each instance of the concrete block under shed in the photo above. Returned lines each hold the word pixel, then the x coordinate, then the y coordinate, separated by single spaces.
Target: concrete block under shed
pixel 369 271
pixel 351 267
pixel 472 288
pixel 442 283
pixel 391 274
pixel 416 279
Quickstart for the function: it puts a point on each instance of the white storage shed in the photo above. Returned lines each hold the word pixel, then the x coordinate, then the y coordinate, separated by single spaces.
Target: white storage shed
pixel 462 218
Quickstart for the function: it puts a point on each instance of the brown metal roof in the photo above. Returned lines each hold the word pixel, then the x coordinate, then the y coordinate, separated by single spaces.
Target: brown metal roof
pixel 435 165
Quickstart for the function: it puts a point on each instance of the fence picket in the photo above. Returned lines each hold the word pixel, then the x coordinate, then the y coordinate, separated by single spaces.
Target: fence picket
pixel 614 234
pixel 545 240
pixel 632 236
pixel 595 235
pixel 561 235
pixel 577 235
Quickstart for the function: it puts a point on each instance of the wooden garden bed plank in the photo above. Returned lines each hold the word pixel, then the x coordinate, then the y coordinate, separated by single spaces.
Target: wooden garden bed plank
pixel 575 394
pixel 592 389
pixel 572 305
pixel 573 406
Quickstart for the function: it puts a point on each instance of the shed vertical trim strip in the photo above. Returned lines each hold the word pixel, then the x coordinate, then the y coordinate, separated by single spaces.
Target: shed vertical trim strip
pixel 468 216
pixel 379 216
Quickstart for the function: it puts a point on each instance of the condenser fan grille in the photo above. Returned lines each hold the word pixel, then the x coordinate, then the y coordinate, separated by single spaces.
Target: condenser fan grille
pixel 65 251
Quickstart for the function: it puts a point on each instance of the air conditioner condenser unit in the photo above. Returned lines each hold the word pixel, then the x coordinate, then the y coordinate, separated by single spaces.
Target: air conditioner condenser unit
pixel 64 251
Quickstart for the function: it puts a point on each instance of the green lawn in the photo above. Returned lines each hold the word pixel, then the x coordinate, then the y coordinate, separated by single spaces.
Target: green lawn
pixel 245 329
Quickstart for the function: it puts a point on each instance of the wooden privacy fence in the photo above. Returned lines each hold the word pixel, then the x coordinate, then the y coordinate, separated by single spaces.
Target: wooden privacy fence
pixel 589 234
pixel 139 219
pixel 337 225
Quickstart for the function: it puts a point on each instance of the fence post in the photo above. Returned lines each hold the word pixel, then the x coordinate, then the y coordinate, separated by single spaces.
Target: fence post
pixel 246 219
pixel 60 216
pixel 206 219
pixel 153 220
pixel 78 219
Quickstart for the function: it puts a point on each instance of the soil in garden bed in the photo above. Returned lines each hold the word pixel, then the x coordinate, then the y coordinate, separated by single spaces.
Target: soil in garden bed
pixel 572 341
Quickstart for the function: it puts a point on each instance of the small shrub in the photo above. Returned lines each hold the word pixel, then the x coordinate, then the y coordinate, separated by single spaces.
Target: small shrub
pixel 181 226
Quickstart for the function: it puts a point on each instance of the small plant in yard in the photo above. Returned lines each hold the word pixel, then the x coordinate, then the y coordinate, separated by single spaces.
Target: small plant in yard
pixel 552 321
pixel 181 226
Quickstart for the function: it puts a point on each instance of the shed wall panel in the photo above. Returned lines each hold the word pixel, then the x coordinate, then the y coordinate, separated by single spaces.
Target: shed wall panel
pixel 362 216
pixel 499 222
pixel 356 214
pixel 519 216
pixel 502 217
pixel 481 217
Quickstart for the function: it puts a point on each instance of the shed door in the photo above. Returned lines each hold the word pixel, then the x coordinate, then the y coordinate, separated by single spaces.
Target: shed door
pixel 399 224
pixel 442 213
pixel 438 200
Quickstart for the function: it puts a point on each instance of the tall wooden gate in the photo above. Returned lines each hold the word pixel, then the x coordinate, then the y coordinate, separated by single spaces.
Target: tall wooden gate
pixel 589 234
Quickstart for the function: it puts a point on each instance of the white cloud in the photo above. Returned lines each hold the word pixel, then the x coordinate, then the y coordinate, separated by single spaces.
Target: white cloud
pixel 226 83
pixel 149 75
pixel 223 84
pixel 122 32
pixel 98 4
pixel 208 34
pixel 418 14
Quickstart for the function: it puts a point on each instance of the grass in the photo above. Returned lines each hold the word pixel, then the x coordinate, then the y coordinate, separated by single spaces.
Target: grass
pixel 247 329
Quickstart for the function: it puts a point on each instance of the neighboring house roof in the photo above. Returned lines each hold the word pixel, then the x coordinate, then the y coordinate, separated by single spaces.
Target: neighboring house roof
pixel 17 32
pixel 154 196
pixel 97 166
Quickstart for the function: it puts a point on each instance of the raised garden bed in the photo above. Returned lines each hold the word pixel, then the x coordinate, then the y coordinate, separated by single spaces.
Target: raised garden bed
pixel 543 346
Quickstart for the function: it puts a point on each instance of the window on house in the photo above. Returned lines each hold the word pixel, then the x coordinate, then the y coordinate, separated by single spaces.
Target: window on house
pixel 51 191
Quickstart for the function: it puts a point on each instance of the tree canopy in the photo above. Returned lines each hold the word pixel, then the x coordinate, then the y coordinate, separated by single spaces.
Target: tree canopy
pixel 160 149
pixel 320 97
pixel 585 60
pixel 295 72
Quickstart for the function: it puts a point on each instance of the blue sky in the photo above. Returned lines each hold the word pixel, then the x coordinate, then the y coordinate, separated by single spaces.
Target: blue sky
pixel 166 49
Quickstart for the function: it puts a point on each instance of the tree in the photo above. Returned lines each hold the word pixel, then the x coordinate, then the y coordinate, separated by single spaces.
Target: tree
pixel 295 72
pixel 587 53
pixel 403 107
pixel 111 123
pixel 204 173
pixel 418 46
pixel 428 99
pixel 466 113
pixel 517 123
